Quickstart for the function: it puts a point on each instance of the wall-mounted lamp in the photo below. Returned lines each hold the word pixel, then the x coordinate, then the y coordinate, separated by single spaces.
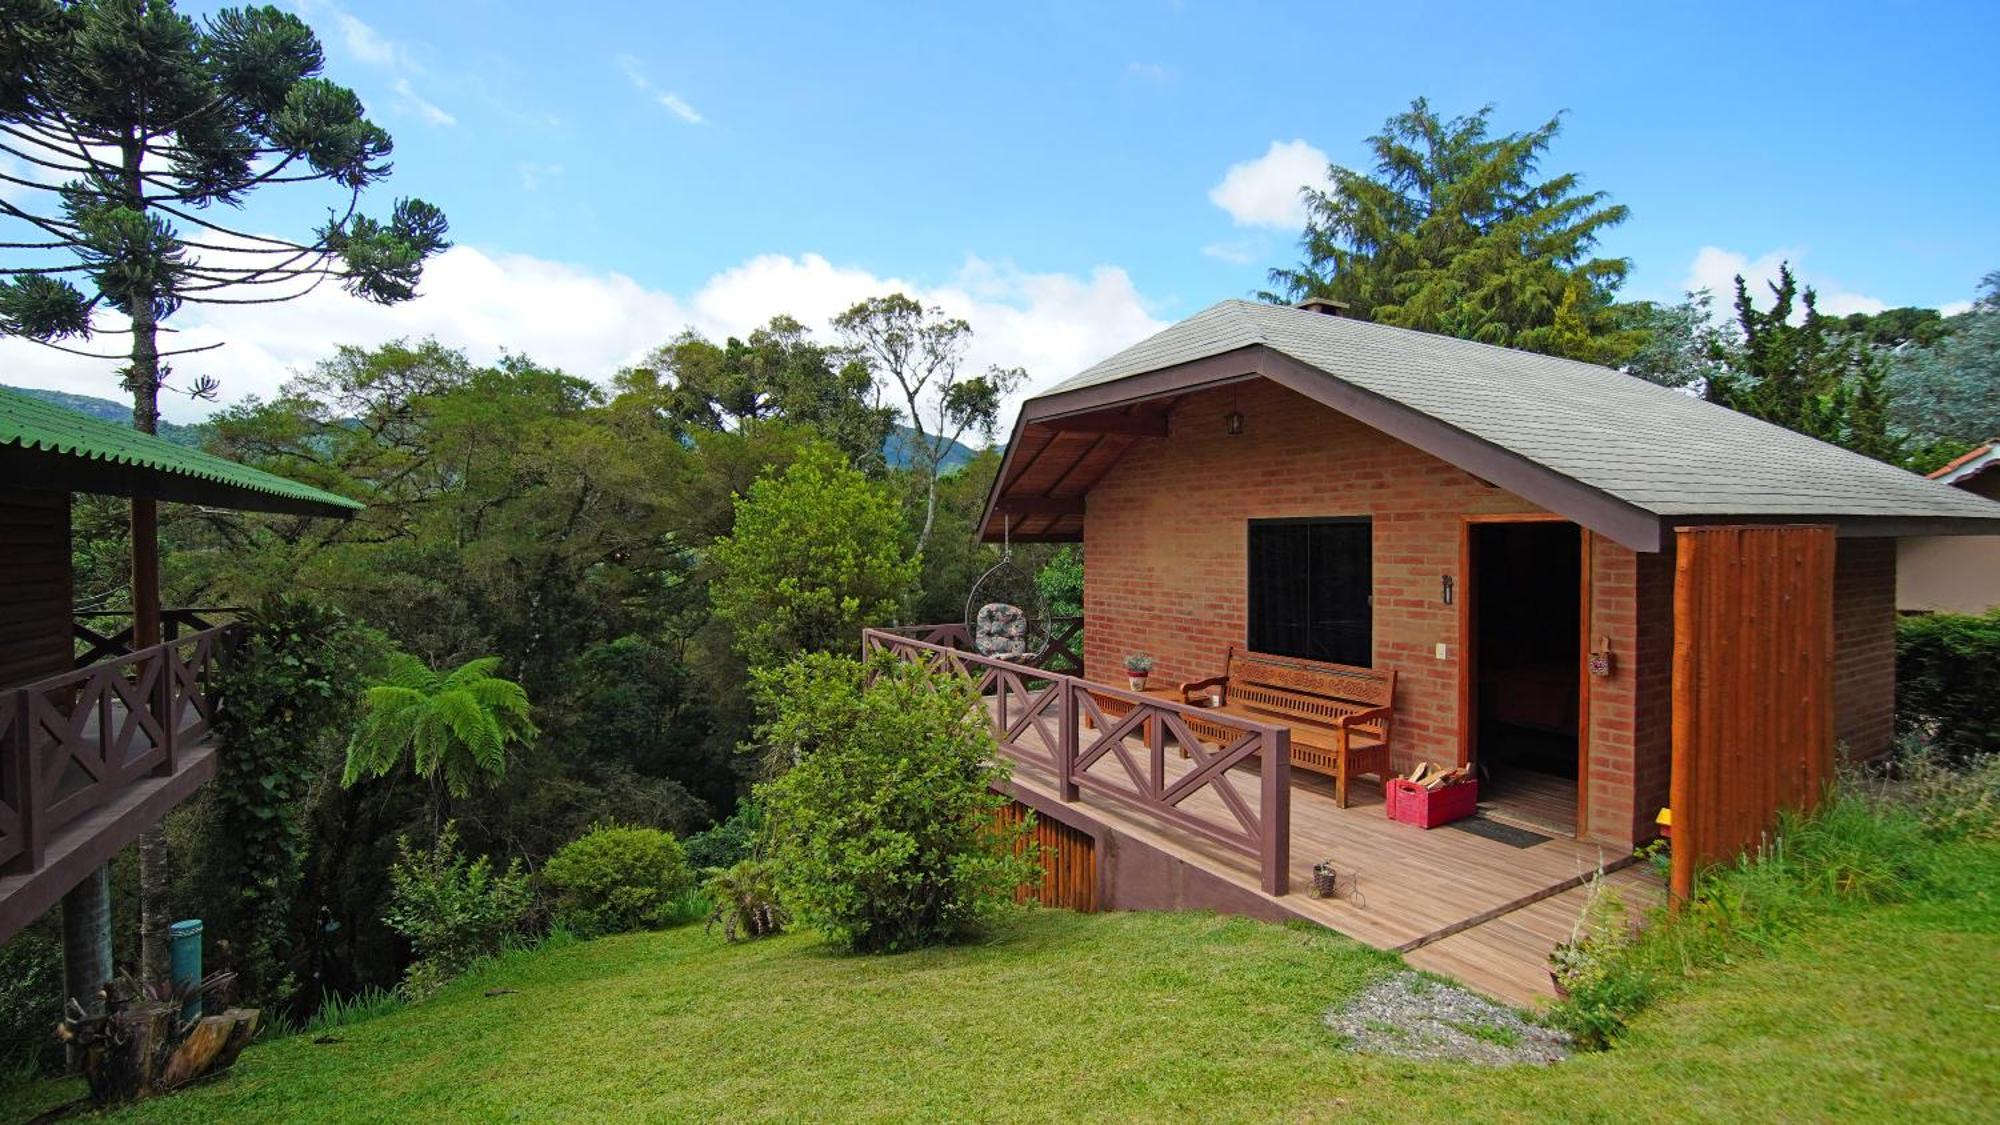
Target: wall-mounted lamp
pixel 1234 421
pixel 1446 587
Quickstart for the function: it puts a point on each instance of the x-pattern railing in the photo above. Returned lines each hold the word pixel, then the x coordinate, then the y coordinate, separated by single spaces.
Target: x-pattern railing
pixel 1104 740
pixel 71 742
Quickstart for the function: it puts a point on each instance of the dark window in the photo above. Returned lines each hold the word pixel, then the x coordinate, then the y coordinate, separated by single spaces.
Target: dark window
pixel 1310 582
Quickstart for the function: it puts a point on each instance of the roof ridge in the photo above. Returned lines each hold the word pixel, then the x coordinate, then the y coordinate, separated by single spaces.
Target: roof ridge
pixel 1364 323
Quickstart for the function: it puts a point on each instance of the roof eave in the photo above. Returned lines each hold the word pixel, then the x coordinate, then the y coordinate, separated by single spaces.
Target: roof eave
pixel 1617 519
pixel 44 470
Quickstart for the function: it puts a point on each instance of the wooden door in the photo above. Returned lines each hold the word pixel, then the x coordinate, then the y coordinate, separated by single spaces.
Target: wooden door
pixel 1752 685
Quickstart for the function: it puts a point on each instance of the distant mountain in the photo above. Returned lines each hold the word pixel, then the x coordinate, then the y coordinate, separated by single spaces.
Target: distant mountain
pixel 899 447
pixel 896 448
pixel 119 412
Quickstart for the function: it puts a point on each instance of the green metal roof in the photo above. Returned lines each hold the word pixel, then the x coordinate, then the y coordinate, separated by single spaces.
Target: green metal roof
pixel 30 424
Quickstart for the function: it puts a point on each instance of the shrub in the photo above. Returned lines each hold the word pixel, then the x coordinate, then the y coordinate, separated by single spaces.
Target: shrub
pixel 883 834
pixel 727 844
pixel 746 900
pixel 613 879
pixel 1951 804
pixel 31 992
pixel 1948 682
pixel 453 911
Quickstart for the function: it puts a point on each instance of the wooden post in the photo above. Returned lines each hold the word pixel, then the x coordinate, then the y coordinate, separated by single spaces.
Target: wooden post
pixel 1276 811
pixel 20 765
pixel 1066 742
pixel 165 660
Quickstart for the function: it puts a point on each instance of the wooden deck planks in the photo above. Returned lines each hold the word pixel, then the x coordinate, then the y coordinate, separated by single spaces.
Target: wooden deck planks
pixel 1413 883
pixel 1508 956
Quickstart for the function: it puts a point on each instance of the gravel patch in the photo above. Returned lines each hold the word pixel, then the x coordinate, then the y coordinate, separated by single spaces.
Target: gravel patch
pixel 1411 1016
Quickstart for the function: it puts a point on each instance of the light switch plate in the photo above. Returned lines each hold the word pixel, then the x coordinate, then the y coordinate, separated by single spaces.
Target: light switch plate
pixel 1444 652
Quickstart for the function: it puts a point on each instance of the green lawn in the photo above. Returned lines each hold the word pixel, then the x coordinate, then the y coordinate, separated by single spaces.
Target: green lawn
pixel 1131 1017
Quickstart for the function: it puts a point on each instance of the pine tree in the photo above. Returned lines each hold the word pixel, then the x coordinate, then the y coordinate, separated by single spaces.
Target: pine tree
pixel 1454 232
pixel 1791 365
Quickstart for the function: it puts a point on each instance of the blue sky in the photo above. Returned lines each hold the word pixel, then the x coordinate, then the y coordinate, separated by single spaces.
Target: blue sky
pixel 1056 171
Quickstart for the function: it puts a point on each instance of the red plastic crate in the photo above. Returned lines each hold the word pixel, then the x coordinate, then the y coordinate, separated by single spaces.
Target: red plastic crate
pixel 1427 808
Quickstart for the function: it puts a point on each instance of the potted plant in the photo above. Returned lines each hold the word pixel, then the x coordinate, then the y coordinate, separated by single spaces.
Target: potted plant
pixel 1137 667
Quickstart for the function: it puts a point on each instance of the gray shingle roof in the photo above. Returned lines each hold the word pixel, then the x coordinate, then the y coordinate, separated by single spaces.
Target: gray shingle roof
pixel 1657 449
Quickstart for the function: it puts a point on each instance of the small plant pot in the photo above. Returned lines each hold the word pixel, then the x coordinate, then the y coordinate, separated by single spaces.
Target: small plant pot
pixel 1138 682
pixel 1325 881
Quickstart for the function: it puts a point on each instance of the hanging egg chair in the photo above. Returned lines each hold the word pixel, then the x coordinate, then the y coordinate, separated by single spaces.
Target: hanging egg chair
pixel 1005 614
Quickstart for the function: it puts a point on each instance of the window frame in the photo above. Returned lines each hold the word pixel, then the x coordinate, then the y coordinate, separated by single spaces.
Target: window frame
pixel 1250 595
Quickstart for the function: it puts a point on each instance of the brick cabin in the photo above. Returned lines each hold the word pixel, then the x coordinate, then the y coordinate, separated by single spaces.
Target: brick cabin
pixel 1532 501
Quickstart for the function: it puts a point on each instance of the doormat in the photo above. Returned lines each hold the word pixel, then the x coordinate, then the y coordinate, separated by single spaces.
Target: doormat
pixel 1504 833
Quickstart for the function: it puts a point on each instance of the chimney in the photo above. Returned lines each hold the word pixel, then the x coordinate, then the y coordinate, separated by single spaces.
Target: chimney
pixel 1326 305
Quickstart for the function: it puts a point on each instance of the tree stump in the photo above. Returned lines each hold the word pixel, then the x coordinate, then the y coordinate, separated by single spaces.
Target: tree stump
pixel 211 1045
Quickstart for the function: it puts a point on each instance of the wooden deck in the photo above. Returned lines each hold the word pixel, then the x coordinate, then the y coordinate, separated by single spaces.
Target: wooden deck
pixel 1481 910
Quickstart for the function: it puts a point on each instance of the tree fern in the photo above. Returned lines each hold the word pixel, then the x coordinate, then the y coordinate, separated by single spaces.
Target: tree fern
pixel 455 726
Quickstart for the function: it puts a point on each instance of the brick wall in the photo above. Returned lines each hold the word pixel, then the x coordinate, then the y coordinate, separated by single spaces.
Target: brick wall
pixel 1166 538
pixel 1864 643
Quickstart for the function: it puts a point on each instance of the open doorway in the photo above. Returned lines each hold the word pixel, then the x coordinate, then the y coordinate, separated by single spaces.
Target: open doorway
pixel 1525 649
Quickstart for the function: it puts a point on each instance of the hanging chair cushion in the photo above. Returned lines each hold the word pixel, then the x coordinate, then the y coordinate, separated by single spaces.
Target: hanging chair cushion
pixel 1001 630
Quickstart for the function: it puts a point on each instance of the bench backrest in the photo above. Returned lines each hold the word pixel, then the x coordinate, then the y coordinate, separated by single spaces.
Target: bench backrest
pixel 1310 691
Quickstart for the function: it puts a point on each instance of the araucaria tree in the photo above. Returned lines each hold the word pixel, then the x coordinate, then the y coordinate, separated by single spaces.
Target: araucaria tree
pixel 1457 232
pixel 133 124
pixel 916 353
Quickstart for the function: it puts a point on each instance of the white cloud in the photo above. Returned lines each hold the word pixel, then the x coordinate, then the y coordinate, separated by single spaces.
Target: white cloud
pixel 357 38
pixel 361 42
pixel 1265 192
pixel 533 175
pixel 680 109
pixel 1716 269
pixel 1953 308
pixel 1237 252
pixel 1151 72
pixel 426 110
pixel 591 323
pixel 635 72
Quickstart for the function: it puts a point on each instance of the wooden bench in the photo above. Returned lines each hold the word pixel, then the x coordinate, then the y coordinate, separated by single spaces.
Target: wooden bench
pixel 1339 715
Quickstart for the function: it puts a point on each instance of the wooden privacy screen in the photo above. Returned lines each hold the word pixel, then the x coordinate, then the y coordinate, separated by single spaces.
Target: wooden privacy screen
pixel 1752 688
pixel 1068 860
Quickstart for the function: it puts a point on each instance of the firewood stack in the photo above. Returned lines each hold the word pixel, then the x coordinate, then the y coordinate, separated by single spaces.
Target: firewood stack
pixel 1433 776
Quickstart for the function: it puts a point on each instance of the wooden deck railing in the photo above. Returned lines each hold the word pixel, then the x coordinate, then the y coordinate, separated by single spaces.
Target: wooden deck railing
pixel 94 645
pixel 1069 726
pixel 1059 653
pixel 71 742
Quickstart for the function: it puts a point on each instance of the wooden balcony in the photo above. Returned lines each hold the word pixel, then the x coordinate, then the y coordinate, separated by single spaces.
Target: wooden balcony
pixel 1191 786
pixel 91 757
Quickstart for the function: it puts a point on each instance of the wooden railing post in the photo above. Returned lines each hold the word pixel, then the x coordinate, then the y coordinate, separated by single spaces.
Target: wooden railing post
pixel 163 707
pixel 1276 811
pixel 20 766
pixel 1066 741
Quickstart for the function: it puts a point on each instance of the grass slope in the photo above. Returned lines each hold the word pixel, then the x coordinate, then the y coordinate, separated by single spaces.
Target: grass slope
pixel 1132 1017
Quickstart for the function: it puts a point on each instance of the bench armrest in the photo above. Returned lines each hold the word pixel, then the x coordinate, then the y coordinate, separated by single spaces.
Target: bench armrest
pixel 1192 686
pixel 1373 714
